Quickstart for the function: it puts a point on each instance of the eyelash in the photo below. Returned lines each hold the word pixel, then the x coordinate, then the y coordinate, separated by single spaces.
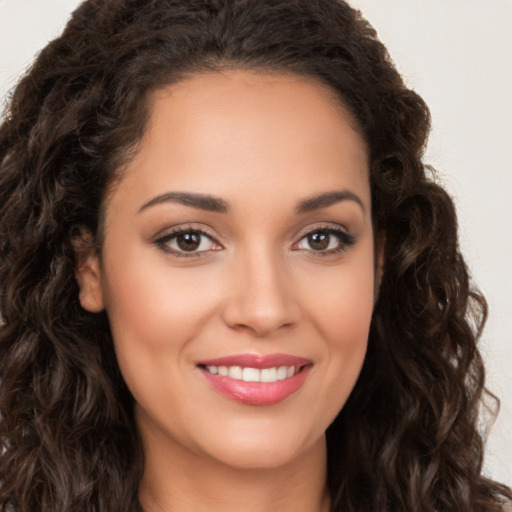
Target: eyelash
pixel 163 241
pixel 346 240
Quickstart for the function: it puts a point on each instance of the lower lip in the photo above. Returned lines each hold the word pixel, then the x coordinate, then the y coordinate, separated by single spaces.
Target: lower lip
pixel 257 393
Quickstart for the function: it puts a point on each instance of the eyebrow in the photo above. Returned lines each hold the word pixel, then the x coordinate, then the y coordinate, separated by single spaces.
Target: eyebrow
pixel 214 204
pixel 200 201
pixel 328 199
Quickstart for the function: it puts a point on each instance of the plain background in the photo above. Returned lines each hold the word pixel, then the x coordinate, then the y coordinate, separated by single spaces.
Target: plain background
pixel 457 55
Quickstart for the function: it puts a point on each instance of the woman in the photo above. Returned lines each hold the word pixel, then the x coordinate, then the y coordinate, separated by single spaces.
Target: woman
pixel 226 280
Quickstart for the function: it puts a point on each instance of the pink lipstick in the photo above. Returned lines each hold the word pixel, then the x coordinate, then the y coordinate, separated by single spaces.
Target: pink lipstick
pixel 256 380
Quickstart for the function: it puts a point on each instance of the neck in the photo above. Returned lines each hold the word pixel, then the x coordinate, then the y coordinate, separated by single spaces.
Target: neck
pixel 178 480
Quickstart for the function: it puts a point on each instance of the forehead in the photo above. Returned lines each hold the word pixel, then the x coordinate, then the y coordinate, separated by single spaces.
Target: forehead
pixel 242 131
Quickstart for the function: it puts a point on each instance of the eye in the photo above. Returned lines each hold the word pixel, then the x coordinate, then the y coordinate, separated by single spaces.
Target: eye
pixel 187 242
pixel 326 240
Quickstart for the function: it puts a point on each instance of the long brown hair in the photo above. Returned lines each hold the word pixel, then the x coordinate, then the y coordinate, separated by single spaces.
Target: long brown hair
pixel 408 437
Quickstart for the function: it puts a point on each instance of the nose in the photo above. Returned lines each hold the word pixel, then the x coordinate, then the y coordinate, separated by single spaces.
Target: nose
pixel 262 299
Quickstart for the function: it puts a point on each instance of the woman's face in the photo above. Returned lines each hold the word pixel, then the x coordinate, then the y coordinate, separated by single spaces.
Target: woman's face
pixel 238 268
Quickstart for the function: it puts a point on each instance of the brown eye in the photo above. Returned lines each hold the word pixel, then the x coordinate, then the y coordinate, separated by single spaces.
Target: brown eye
pixel 189 241
pixel 319 241
pixel 325 241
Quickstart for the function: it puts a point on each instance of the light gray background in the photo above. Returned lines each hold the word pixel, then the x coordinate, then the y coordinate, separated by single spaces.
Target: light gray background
pixel 457 54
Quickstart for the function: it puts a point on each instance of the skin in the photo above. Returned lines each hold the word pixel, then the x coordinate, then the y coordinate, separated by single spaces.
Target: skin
pixel 262 144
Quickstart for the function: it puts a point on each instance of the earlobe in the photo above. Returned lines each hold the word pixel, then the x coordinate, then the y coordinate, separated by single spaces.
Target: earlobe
pixel 88 277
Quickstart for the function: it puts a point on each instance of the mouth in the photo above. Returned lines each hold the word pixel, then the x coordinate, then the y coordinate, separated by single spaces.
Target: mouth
pixel 256 380
pixel 249 374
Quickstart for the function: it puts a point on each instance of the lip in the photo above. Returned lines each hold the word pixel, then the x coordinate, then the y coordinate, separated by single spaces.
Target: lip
pixel 257 393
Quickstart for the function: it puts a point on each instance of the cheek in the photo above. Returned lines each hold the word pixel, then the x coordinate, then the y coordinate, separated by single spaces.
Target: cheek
pixel 342 302
pixel 346 327
pixel 347 312
pixel 341 310
pixel 154 314
pixel 153 304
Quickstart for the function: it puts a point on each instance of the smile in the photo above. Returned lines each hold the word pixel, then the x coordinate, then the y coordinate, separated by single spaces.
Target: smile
pixel 254 374
pixel 256 380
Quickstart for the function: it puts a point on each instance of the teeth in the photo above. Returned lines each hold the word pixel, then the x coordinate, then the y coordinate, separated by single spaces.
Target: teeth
pixel 281 372
pixel 253 374
pixel 269 375
pixel 235 372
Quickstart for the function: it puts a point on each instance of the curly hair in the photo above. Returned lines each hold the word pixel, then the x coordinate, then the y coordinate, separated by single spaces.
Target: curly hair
pixel 408 437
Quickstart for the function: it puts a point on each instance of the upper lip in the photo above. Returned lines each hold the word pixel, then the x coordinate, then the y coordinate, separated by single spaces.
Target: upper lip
pixel 257 361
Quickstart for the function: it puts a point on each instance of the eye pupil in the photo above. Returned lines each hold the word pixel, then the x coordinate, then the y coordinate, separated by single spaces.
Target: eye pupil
pixel 319 240
pixel 188 241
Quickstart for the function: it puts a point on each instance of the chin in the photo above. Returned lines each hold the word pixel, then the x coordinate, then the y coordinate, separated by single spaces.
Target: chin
pixel 253 452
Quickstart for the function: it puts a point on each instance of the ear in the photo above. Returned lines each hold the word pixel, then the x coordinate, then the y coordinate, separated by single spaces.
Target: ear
pixel 88 275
